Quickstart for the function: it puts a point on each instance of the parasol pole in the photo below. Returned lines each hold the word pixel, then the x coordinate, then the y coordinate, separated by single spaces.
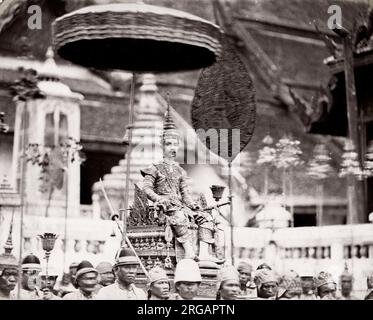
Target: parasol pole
pixel 128 163
pixel 125 238
pixel 65 222
pixel 22 191
pixel 230 197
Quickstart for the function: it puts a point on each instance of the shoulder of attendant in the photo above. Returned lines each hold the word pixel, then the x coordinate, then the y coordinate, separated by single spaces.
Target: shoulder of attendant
pixel 108 288
pixel 139 292
pixel 175 296
pixel 70 295
pixel 30 295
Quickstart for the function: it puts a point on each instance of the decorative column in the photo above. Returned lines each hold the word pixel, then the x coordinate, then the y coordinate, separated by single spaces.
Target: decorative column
pixel 288 157
pixel 266 159
pixel 356 194
pixel 351 171
pixel 49 120
pixel 319 168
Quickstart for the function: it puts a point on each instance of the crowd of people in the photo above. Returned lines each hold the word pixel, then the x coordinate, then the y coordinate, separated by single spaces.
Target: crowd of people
pixel 118 282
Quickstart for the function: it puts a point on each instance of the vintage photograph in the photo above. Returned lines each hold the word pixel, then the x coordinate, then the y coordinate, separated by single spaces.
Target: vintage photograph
pixel 186 150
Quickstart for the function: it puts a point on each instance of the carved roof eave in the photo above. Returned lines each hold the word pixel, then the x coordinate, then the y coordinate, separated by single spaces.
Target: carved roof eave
pixel 280 25
pixel 66 71
pixel 362 58
pixel 253 55
pixel 8 11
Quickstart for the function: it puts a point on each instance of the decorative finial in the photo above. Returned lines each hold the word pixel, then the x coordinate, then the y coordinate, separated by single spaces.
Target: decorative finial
pixel 148 83
pixel 49 70
pixel 346 275
pixel 168 121
pixel 346 267
pixel 8 247
pixel 268 139
pixel 169 128
pixel 49 54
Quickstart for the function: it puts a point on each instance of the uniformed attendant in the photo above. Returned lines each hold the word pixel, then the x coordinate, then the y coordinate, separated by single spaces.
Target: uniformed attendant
pixel 65 286
pixel 86 281
pixel 105 274
pixel 247 286
pixel 159 284
pixel 346 281
pixel 228 284
pixel 289 287
pixel 30 282
pixel 187 280
pixel 267 283
pixel 72 271
pixel 308 287
pixel 125 269
pixel 326 286
pixel 369 295
pixel 8 270
pixel 47 283
pixel 264 265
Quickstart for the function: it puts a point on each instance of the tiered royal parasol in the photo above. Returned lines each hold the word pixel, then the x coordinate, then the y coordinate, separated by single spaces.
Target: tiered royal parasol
pixel 138 38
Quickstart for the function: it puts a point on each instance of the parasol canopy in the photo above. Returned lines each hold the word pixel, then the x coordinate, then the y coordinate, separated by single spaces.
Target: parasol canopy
pixel 136 37
pixel 225 99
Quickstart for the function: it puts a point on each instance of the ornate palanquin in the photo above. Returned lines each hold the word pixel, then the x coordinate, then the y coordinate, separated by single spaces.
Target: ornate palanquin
pixel 155 244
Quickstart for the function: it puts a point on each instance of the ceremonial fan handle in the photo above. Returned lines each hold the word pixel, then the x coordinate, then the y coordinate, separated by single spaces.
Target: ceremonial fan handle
pixel 125 236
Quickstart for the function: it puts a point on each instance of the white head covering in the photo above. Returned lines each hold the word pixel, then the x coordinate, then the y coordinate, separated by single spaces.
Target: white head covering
pixel 187 270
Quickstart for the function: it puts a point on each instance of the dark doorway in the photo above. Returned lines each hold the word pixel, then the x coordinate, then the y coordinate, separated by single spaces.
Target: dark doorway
pixel 304 220
pixel 95 167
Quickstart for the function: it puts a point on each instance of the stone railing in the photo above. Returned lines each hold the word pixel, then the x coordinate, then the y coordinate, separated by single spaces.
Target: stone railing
pixel 308 250
pixel 94 240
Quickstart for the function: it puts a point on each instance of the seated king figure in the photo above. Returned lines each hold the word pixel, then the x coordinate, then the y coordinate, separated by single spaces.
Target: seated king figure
pixel 165 183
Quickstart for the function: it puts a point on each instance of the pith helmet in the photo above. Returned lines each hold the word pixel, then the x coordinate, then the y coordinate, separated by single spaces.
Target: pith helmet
pixel 187 270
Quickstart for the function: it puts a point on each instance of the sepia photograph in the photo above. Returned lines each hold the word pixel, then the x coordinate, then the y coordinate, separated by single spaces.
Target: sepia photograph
pixel 198 150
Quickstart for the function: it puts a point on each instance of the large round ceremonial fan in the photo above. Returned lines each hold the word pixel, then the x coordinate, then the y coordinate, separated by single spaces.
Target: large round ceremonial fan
pixel 225 99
